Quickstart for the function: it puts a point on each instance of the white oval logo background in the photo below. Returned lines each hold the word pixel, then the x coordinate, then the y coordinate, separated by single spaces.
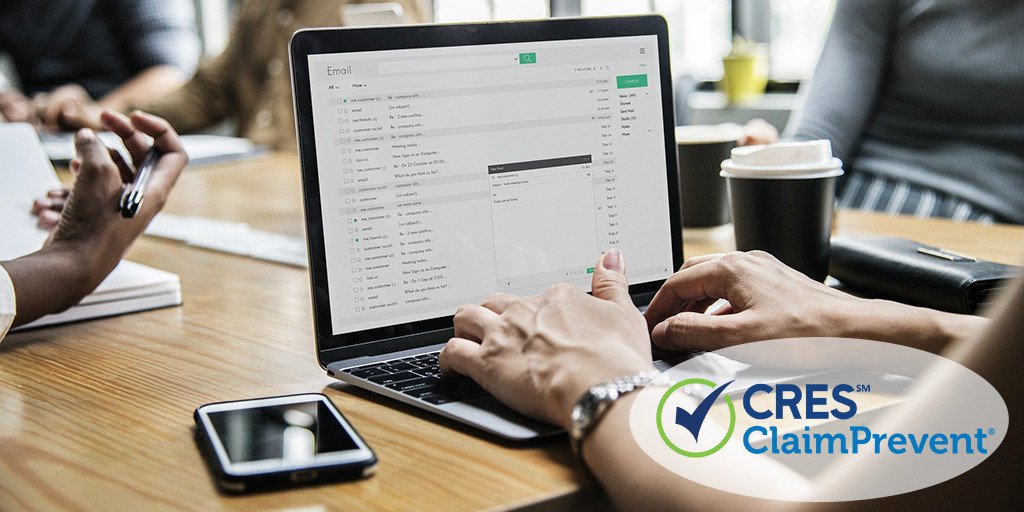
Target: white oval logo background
pixel 929 402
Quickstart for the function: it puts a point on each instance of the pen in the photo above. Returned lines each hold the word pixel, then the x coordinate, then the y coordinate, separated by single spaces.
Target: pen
pixel 135 192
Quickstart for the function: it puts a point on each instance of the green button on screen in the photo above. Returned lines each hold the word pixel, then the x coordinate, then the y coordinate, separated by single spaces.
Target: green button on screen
pixel 528 58
pixel 631 81
pixel 590 270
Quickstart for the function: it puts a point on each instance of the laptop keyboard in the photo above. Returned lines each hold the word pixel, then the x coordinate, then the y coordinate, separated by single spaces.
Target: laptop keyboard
pixel 419 377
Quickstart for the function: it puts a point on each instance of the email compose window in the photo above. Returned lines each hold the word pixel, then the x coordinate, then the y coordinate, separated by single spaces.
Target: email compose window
pixel 447 174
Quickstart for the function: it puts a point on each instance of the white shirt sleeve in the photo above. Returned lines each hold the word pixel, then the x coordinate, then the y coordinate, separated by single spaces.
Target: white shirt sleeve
pixel 7 306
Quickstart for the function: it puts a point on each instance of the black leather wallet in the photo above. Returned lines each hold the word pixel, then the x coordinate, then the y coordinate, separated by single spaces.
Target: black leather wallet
pixel 914 273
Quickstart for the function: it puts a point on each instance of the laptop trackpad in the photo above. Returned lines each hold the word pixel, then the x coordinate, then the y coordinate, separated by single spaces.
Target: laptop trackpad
pixel 488 412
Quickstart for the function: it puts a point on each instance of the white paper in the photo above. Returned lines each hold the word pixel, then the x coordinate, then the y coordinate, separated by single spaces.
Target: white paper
pixel 230 237
pixel 25 174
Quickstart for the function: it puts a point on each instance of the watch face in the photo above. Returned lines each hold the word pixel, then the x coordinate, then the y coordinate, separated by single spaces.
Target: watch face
pixel 587 409
pixel 581 415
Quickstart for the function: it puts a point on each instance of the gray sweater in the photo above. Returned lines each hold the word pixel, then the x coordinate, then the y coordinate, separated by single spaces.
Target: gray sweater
pixel 930 92
pixel 98 44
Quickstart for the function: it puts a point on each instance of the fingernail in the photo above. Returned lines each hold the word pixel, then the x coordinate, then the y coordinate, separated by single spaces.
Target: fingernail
pixel 612 260
pixel 84 133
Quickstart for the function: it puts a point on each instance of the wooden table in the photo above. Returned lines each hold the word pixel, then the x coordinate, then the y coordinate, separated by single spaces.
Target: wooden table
pixel 98 415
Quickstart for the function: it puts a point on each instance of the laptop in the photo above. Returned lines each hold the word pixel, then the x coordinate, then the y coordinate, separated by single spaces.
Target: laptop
pixel 444 163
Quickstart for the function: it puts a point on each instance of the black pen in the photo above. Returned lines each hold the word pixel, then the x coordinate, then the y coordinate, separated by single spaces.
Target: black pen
pixel 135 192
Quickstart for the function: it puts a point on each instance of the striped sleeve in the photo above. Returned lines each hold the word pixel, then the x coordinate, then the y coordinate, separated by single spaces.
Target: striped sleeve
pixel 159 32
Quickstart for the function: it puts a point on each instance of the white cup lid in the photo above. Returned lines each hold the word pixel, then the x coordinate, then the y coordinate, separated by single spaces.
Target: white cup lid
pixel 784 160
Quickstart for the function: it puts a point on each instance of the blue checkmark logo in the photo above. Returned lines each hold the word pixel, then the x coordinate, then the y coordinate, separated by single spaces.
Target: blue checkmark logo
pixel 693 420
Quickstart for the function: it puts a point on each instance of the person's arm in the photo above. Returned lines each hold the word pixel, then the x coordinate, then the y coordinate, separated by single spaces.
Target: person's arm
pixel 635 482
pixel 768 300
pixel 841 96
pixel 538 355
pixel 202 101
pixel 153 82
pixel 91 236
pixel 849 77
pixel 995 354
pixel 161 46
pixel 71 107
pixel 209 96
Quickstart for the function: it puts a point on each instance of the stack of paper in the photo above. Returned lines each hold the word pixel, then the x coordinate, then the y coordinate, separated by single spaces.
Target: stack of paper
pixel 26 174
pixel 230 237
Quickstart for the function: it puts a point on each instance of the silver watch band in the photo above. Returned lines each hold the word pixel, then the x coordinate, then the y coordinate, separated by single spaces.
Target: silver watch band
pixel 592 405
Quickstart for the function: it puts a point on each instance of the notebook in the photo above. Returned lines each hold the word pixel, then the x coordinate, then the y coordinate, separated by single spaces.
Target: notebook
pixel 27 174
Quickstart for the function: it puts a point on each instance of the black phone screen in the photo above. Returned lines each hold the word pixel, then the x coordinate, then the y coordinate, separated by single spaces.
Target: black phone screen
pixel 292 433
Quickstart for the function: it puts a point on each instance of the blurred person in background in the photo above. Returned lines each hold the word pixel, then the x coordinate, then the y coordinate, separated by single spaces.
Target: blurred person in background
pixel 249 81
pixel 923 101
pixel 73 58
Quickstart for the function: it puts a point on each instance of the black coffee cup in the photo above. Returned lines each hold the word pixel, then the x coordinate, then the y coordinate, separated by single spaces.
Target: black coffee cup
pixel 785 209
pixel 702 190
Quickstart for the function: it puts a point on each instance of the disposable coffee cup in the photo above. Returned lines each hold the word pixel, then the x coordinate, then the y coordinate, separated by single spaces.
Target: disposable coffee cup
pixel 702 190
pixel 782 198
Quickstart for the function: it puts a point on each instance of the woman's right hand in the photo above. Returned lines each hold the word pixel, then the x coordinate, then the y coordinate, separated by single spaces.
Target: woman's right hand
pixel 88 219
pixel 768 300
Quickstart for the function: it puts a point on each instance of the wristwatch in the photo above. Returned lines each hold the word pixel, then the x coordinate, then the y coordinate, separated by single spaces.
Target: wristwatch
pixel 592 405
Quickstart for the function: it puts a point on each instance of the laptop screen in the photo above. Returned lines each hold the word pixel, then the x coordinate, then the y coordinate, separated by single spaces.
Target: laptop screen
pixel 450 173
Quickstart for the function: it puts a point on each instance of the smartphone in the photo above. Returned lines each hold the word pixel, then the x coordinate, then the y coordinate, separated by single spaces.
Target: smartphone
pixel 282 441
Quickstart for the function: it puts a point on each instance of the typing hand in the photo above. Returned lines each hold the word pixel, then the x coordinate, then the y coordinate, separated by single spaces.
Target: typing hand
pixel 538 355
pixel 766 300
